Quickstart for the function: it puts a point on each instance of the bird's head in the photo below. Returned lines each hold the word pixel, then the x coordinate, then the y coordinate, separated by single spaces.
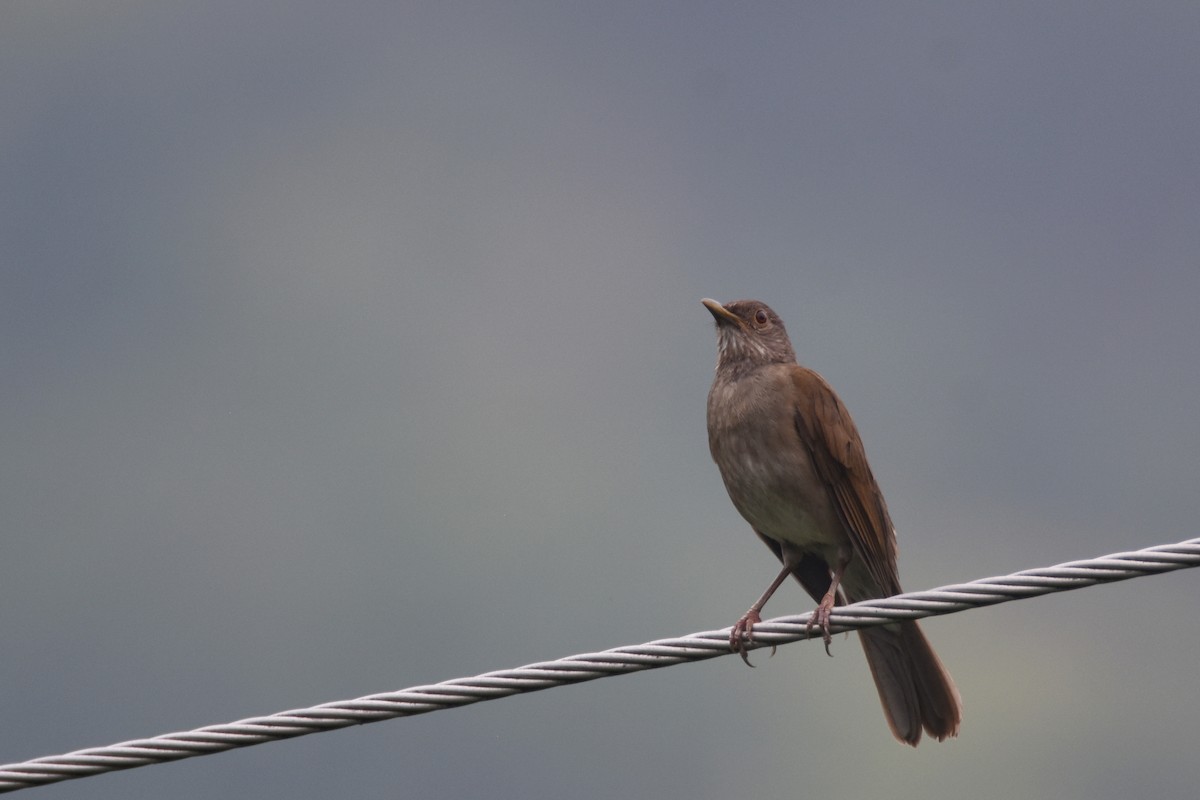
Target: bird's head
pixel 749 334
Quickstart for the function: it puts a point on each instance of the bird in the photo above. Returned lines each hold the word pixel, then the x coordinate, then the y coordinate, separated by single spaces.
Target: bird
pixel 795 468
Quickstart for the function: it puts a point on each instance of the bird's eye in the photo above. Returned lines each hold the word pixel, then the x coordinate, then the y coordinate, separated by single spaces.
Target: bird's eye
pixel 760 317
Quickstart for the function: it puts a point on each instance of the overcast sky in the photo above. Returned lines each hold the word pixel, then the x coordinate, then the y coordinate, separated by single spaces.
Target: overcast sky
pixel 349 347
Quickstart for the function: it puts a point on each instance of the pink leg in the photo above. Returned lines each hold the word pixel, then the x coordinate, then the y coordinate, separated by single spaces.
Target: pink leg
pixel 820 617
pixel 743 631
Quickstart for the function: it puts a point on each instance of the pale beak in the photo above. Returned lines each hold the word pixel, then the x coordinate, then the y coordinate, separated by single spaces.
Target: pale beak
pixel 720 313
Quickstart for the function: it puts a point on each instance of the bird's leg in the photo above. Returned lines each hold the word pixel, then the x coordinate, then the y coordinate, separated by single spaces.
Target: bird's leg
pixel 820 617
pixel 743 632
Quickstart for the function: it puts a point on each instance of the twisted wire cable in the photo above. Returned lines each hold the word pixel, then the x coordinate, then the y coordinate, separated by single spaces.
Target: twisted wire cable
pixel 590 666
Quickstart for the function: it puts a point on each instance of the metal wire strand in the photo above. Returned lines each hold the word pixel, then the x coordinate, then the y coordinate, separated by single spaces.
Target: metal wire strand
pixel 589 666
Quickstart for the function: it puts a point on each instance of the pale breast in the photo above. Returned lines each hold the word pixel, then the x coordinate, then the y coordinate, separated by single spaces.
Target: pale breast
pixel 765 466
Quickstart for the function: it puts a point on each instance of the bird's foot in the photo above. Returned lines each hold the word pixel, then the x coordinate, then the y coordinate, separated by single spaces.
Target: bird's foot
pixel 820 618
pixel 743 635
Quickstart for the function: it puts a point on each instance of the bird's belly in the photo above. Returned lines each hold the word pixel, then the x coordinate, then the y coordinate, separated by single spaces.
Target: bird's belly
pixel 780 496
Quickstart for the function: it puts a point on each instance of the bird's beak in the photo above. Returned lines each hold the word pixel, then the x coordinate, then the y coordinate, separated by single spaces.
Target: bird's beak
pixel 720 313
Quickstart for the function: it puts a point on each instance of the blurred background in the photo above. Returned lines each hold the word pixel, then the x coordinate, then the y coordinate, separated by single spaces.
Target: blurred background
pixel 349 347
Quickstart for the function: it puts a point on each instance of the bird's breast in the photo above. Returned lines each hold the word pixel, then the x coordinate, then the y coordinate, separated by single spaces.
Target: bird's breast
pixel 766 467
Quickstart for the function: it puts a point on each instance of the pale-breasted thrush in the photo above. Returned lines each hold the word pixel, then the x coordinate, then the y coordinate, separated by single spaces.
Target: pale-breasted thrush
pixel 795 469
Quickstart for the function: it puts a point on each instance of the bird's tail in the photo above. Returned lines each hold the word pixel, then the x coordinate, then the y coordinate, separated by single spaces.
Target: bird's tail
pixel 916 690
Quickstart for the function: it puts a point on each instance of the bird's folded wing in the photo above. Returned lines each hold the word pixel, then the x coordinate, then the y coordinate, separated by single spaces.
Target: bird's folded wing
pixel 827 431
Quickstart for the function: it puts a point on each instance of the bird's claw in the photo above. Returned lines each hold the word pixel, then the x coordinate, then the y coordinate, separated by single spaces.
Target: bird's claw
pixel 820 618
pixel 743 635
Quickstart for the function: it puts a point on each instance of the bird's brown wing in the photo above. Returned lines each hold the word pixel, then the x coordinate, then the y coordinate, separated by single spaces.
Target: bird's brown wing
pixel 827 431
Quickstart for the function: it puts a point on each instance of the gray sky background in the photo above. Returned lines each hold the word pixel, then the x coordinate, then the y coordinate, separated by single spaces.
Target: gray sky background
pixel 348 347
